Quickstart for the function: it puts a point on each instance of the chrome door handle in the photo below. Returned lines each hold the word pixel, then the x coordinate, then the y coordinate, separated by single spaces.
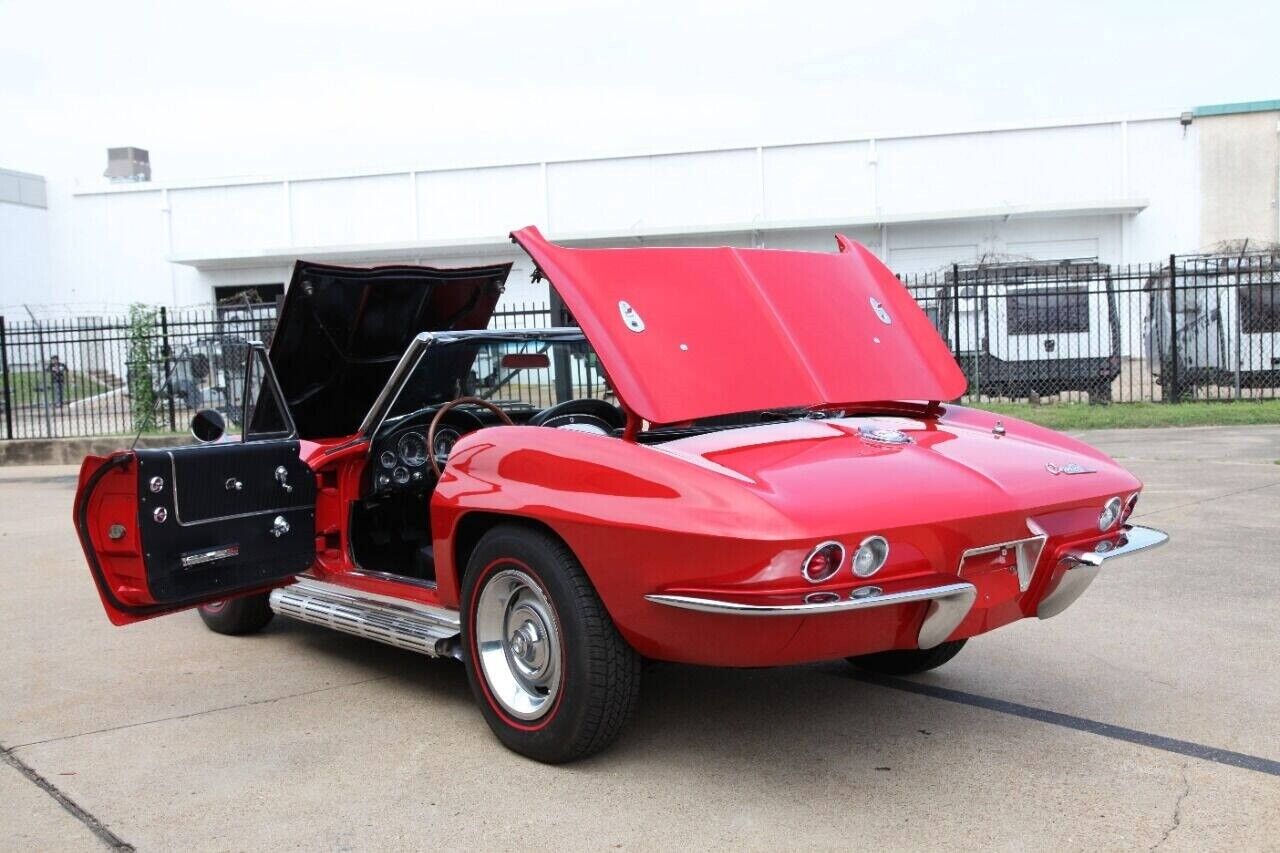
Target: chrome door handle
pixel 282 477
pixel 279 526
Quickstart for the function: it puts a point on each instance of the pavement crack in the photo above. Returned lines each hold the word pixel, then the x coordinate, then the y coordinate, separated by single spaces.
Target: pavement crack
pixel 1128 671
pixel 201 713
pixel 1177 810
pixel 94 825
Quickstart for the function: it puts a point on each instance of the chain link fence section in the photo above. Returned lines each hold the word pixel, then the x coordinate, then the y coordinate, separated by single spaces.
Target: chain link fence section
pixel 1194 327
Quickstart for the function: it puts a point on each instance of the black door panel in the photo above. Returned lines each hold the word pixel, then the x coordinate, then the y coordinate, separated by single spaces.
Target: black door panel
pixel 218 519
pixel 215 481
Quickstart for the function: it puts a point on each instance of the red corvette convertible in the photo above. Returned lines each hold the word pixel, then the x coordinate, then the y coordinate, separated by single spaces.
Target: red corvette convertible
pixel 738 457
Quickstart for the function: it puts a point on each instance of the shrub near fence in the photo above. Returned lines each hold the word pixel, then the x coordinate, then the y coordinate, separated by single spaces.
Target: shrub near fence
pixel 1192 327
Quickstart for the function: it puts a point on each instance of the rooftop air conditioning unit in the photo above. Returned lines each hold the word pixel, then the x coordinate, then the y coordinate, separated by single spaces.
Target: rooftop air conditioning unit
pixel 128 164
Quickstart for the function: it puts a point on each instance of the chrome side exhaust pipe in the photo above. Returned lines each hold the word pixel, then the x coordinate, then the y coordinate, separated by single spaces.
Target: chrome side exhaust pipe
pixel 418 628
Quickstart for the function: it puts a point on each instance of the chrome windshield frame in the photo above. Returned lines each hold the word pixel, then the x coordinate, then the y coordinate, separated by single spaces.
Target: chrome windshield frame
pixel 417 349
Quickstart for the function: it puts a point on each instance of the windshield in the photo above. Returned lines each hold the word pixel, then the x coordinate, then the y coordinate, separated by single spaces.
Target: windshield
pixel 530 371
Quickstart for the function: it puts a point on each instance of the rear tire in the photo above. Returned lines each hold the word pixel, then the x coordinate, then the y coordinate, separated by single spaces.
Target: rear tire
pixel 908 661
pixel 237 616
pixel 553 677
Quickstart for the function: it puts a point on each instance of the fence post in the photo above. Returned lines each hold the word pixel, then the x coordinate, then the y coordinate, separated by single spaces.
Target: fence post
pixel 46 379
pixel 1172 388
pixel 955 310
pixel 168 379
pixel 8 397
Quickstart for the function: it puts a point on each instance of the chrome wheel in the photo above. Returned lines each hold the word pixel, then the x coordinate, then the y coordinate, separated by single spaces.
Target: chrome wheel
pixel 519 645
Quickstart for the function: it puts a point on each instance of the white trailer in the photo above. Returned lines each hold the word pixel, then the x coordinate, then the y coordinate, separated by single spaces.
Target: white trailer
pixel 1031 328
pixel 1220 325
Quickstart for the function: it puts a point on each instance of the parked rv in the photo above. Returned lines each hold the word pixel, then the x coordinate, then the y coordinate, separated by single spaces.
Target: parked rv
pixel 1220 326
pixel 1030 328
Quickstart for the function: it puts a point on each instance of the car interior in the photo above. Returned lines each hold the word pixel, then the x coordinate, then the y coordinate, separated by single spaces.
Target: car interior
pixel 460 384
pixel 468 382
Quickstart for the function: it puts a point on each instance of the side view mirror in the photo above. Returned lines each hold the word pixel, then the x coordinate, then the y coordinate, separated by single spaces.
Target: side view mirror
pixel 208 425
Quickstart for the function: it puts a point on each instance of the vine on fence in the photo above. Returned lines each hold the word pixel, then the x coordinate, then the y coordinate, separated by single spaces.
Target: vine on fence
pixel 139 357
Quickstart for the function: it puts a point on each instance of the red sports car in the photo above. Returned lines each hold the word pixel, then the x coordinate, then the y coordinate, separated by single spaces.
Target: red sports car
pixel 738 457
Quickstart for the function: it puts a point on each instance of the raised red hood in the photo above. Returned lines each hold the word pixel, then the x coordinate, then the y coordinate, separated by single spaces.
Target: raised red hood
pixel 688 333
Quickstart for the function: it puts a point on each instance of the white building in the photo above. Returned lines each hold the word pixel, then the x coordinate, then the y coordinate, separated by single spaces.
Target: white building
pixel 1130 189
pixel 25 268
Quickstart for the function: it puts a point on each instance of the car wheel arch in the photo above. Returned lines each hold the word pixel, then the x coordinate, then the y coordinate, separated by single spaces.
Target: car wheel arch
pixel 472 526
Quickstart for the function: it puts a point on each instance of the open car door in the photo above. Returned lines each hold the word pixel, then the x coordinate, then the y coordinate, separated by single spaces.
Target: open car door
pixel 167 529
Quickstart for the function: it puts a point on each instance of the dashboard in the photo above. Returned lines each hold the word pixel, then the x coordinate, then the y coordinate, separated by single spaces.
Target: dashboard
pixel 399 461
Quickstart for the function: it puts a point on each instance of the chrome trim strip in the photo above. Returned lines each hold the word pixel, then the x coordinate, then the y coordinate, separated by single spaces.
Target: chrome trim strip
pixel 1083 566
pixel 177 511
pixel 717 605
pixel 391 576
pixel 950 603
pixel 210 556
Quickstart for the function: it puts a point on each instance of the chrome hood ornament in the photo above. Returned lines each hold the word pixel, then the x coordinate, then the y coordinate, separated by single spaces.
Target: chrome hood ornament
pixel 883 435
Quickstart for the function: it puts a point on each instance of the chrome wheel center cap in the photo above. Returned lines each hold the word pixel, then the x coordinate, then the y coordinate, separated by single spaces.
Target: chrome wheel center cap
pixel 528 644
pixel 524 642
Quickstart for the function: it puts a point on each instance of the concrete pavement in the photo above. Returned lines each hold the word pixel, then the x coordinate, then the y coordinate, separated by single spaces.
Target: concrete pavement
pixel 163 735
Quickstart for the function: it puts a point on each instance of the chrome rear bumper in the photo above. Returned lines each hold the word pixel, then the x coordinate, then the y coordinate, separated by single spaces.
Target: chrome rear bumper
pixel 1081 566
pixel 948 605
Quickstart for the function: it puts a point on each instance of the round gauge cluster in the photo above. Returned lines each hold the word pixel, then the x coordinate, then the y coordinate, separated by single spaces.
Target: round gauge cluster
pixel 412 449
pixel 446 438
pixel 404 464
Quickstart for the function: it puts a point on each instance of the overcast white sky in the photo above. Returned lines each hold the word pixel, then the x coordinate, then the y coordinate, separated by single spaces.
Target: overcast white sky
pixel 224 88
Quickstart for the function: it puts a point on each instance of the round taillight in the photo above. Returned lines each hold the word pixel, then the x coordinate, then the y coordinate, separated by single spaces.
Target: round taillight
pixel 1128 506
pixel 823 562
pixel 871 556
pixel 1110 514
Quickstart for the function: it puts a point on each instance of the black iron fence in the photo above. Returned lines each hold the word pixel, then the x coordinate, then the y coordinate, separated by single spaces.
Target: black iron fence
pixel 1192 327
pixel 148 371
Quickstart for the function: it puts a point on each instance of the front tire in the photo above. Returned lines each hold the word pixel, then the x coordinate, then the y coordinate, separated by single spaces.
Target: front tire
pixel 554 678
pixel 908 661
pixel 237 616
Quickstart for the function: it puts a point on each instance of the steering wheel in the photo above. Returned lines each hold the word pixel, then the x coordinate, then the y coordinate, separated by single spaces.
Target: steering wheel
pixel 448 407
pixel 580 413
